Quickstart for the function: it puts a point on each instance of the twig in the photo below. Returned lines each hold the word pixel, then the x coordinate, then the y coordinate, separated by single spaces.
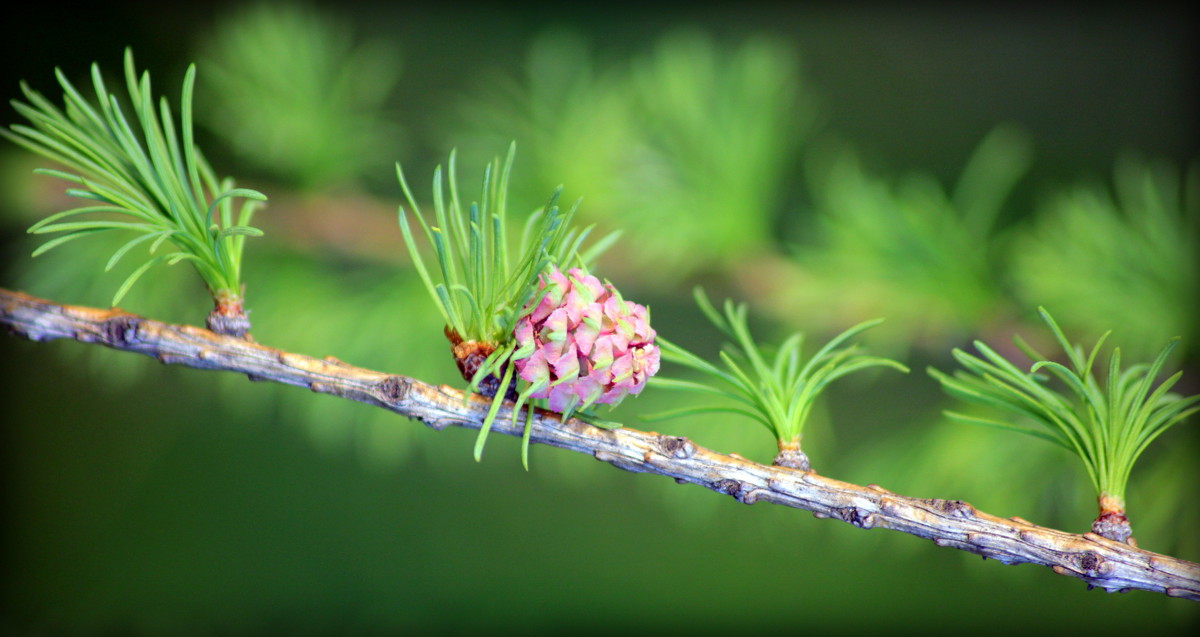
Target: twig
pixel 1097 561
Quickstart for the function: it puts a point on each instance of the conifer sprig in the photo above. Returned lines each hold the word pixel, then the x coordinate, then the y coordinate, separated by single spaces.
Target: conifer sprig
pixel 777 392
pixel 139 175
pixel 483 278
pixel 1107 422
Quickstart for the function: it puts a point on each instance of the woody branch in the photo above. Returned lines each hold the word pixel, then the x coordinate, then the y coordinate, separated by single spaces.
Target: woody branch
pixel 1097 561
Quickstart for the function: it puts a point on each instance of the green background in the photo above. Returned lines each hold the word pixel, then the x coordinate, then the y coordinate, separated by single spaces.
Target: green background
pixel 143 499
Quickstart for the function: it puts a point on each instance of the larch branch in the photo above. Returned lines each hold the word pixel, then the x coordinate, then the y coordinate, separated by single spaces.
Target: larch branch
pixel 1097 561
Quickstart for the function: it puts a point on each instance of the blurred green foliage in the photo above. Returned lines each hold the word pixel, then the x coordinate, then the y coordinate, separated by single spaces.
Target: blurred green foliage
pixel 1122 257
pixel 906 249
pixel 157 500
pixel 693 135
pixel 300 96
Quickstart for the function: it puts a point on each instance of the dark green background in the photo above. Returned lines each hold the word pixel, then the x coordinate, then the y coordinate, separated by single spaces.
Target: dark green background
pixel 146 499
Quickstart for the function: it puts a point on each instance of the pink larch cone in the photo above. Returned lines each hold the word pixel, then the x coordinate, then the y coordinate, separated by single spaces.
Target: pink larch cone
pixel 583 344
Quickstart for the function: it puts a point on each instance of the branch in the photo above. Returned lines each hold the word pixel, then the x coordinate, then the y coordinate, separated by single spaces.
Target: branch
pixel 1101 563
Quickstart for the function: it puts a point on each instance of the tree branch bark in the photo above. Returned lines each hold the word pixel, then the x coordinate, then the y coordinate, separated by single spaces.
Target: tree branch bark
pixel 1097 561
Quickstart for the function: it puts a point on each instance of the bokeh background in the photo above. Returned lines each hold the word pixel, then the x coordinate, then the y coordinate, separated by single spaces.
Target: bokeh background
pixel 947 168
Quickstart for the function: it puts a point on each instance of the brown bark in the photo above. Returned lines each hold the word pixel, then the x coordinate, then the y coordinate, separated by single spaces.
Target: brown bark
pixel 228 317
pixel 1112 523
pixel 1098 561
